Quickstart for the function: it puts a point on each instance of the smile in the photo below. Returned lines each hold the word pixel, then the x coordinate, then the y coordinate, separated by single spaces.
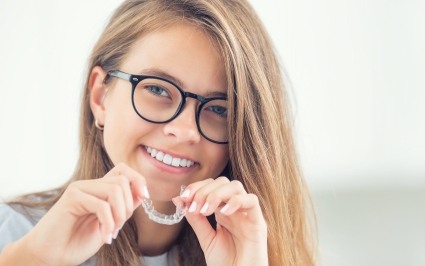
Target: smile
pixel 168 159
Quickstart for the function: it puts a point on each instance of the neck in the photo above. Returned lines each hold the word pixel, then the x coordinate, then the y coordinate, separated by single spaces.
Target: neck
pixel 153 238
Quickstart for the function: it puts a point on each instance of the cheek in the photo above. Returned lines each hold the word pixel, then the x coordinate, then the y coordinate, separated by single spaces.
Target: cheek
pixel 122 132
pixel 219 158
pixel 116 139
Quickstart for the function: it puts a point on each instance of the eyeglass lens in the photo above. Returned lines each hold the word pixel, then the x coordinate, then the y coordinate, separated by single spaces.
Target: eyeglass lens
pixel 158 101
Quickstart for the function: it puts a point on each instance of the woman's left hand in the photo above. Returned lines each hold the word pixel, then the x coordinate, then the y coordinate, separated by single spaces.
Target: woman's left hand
pixel 241 234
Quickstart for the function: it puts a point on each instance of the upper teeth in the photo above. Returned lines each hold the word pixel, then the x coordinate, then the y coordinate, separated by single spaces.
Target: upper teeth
pixel 168 159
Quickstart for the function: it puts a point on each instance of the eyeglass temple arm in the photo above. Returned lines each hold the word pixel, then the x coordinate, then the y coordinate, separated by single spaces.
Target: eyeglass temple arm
pixel 120 74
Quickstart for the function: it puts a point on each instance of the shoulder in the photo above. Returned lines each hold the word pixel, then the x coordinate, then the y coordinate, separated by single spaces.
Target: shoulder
pixel 13 225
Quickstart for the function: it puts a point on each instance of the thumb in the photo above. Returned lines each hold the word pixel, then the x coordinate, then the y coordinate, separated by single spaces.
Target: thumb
pixel 203 229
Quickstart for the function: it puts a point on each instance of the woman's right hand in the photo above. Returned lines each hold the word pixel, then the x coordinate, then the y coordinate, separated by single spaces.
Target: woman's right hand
pixel 89 214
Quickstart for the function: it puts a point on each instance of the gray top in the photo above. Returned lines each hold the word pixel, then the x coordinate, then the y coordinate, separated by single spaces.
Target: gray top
pixel 17 221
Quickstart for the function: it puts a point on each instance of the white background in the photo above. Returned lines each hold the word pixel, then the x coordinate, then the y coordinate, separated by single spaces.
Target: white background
pixel 357 69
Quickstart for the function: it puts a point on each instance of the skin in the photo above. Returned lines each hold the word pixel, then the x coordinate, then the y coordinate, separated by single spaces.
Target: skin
pixel 91 212
pixel 198 66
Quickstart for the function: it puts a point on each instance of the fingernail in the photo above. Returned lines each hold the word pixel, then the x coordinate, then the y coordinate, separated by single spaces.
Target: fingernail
pixel 145 192
pixel 115 234
pixel 109 239
pixel 225 208
pixel 177 201
pixel 204 208
pixel 185 194
pixel 192 207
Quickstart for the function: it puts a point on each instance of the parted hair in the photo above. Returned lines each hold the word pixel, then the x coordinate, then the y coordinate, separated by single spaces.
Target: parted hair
pixel 261 149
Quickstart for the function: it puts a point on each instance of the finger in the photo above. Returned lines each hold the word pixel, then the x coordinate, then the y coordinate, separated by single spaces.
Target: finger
pixel 217 197
pixel 137 181
pixel 199 202
pixel 111 193
pixel 202 228
pixel 127 195
pixel 190 190
pixel 200 190
pixel 177 201
pixel 242 215
pixel 89 204
pixel 248 204
pixel 124 183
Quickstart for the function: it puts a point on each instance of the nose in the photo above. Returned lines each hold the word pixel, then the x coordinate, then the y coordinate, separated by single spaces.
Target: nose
pixel 183 128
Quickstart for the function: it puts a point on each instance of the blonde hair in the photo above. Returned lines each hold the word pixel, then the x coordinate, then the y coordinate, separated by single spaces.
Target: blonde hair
pixel 261 149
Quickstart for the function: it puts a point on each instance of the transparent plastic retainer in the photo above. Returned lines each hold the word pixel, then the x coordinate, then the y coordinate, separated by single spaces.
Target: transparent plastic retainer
pixel 168 219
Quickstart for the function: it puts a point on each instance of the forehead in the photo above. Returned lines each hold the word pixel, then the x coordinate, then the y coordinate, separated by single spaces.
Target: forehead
pixel 183 51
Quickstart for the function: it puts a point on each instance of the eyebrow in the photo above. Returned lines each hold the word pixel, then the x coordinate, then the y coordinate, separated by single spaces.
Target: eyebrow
pixel 178 82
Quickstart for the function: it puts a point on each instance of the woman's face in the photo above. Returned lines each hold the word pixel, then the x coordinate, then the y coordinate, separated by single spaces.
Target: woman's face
pixel 186 55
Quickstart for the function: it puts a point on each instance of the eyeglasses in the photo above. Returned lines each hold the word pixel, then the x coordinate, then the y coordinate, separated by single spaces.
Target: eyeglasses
pixel 158 100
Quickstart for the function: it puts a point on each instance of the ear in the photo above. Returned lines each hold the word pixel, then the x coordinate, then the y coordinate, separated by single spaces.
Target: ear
pixel 97 90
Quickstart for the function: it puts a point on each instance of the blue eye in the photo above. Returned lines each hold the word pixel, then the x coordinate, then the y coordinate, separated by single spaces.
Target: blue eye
pixel 157 90
pixel 219 110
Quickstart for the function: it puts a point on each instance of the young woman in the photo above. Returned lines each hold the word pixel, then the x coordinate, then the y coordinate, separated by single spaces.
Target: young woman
pixel 184 105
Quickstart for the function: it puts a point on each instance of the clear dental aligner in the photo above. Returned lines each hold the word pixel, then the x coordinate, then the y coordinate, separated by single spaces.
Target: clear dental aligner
pixel 164 218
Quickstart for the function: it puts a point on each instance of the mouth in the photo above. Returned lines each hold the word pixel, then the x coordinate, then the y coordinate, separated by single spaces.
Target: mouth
pixel 168 159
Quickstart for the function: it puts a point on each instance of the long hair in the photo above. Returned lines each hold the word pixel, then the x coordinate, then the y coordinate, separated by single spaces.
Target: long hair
pixel 261 148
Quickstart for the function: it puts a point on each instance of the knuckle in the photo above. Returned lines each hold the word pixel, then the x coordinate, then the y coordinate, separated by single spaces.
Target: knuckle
pixel 120 165
pixel 204 182
pixel 213 196
pixel 122 180
pixel 223 179
pixel 115 190
pixel 200 196
pixel 254 198
pixel 72 190
pixel 237 199
pixel 237 184
pixel 103 207
pixel 75 184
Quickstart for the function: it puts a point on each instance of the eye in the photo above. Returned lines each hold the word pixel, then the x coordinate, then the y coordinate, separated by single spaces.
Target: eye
pixel 157 90
pixel 219 110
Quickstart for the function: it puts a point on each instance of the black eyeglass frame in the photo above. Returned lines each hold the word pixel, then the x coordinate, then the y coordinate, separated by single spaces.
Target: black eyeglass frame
pixel 135 79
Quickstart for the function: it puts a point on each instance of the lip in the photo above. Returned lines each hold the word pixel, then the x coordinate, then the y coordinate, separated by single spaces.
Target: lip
pixel 169 168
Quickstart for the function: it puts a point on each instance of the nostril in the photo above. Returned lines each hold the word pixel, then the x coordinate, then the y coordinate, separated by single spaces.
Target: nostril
pixel 182 130
pixel 184 127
